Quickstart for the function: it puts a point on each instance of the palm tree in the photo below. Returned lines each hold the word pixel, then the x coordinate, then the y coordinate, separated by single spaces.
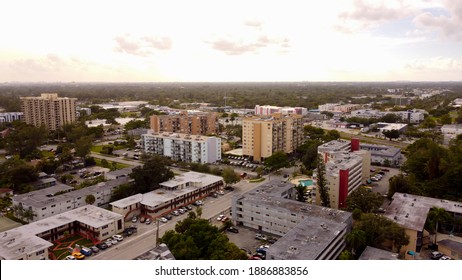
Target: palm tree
pixel 356 240
pixel 437 215
pixel 300 190
pixel 321 182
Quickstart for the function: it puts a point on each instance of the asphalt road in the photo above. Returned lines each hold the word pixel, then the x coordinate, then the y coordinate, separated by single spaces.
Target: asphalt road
pixel 145 239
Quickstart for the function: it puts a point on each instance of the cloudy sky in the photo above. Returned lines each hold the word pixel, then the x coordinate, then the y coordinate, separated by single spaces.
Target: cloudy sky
pixel 214 41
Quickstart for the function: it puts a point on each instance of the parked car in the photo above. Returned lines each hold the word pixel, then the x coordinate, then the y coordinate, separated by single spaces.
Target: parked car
pixel 168 217
pixel 142 219
pixel 220 217
pixel 71 258
pixel 78 255
pixel 117 237
pixel 86 251
pixel 94 249
pixel 181 211
pixel 163 219
pixel 108 242
pixel 435 255
pixel 189 207
pixel 102 246
pixel 134 219
pixel 175 213
pixel 148 221
pixel 260 236
pixel 232 229
pixel 445 258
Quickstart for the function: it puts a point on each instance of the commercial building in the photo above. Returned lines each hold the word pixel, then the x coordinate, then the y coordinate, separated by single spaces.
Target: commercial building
pixel 411 211
pixel 401 127
pixel 381 154
pixel 32 241
pixel 183 147
pixel 49 110
pixel 308 232
pixel 347 167
pixel 452 130
pixel 11 117
pixel 196 123
pixel 267 110
pixel 60 198
pixel 263 136
pixel 178 192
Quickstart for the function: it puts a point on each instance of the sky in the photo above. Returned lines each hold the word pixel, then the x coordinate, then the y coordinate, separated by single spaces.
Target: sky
pixel 230 41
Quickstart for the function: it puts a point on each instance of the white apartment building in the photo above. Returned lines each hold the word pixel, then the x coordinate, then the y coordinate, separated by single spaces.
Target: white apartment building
pixel 61 198
pixel 308 232
pixel 31 241
pixel 338 108
pixel 8 117
pixel 183 147
pixel 451 129
pixel 381 153
pixel 409 116
pixel 267 110
pixel 347 167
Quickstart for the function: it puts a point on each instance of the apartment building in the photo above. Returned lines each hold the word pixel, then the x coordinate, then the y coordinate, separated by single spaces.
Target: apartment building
pixel 308 232
pixel 60 198
pixel 8 117
pixel 409 116
pixel 196 123
pixel 183 147
pixel 347 167
pixel 338 108
pixel 381 154
pixel 263 136
pixel 411 212
pixel 49 110
pixel 31 241
pixel 267 110
pixel 175 193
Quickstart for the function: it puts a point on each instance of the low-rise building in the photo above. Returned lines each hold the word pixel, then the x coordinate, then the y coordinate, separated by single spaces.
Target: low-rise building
pixel 308 232
pixel 60 198
pixel 411 211
pixel 372 253
pixel 32 241
pixel 451 130
pixel 381 154
pixel 117 174
pixel 8 117
pixel 178 192
pixel 183 147
pixel 450 248
pixel 267 110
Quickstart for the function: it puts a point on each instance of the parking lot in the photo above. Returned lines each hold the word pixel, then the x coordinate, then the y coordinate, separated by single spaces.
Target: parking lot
pixel 246 240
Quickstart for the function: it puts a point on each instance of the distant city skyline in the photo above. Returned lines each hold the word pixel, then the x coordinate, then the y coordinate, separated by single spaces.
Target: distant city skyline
pixel 237 41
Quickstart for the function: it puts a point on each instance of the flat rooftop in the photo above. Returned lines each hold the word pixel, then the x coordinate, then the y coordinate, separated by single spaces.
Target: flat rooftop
pixel 178 136
pixel 191 176
pixel 410 211
pixel 380 150
pixel 61 192
pixel 309 238
pixel 372 253
pixel 24 239
pixel 335 146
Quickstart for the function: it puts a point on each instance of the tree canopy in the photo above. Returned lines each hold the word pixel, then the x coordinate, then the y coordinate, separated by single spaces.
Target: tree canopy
pixel 230 176
pixel 154 171
pixel 196 239
pixel 364 200
pixel 277 160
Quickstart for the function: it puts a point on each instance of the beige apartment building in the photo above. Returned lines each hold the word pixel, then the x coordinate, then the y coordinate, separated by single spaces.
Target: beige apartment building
pixel 265 135
pixel 187 123
pixel 49 110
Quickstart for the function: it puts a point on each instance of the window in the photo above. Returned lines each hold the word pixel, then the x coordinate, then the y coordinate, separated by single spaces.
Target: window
pixel 41 252
pixel 103 227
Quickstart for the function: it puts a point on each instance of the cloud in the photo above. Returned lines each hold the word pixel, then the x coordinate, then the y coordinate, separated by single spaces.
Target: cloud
pixel 447 24
pixel 369 14
pixel 239 47
pixel 143 46
pixel 253 23
pixel 436 64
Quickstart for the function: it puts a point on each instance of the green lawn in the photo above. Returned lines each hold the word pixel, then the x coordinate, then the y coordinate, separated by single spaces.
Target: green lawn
pixel 118 165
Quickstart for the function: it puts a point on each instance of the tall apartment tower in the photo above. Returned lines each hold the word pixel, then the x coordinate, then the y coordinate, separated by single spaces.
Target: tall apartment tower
pixel 264 135
pixel 49 110
pixel 196 124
